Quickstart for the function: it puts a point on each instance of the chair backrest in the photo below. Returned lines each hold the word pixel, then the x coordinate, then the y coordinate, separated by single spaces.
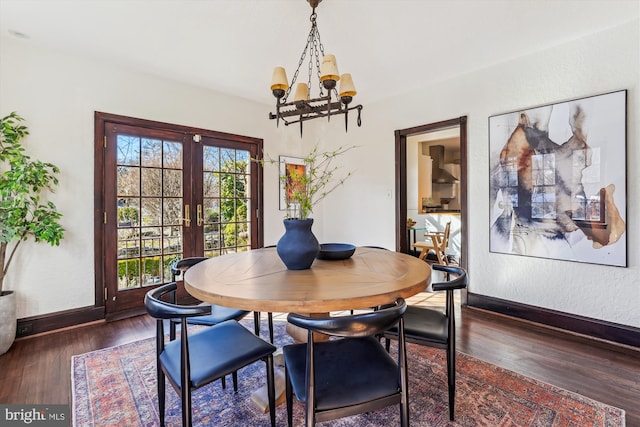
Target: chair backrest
pixel 160 309
pixel 358 331
pixel 445 238
pixel 355 325
pixel 459 282
pixel 182 265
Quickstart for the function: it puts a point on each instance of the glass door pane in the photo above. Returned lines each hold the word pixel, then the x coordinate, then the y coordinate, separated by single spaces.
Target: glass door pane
pixel 226 193
pixel 146 172
pixel 149 208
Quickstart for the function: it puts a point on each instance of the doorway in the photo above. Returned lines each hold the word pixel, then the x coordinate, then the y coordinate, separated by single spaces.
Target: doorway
pixel 402 174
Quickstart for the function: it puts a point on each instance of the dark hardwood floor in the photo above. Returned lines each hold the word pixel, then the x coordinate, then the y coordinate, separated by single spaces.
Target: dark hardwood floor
pixel 37 370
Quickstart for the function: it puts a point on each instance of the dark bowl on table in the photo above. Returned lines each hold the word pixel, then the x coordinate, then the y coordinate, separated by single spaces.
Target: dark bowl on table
pixel 336 251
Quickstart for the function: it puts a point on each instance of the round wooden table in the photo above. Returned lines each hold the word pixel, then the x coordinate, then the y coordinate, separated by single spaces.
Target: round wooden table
pixel 257 280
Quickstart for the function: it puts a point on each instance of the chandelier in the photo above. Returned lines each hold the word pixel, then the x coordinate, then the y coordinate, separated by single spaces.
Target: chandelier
pixel 304 107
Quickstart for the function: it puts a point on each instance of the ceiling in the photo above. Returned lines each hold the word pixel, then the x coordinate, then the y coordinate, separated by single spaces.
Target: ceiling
pixel 390 47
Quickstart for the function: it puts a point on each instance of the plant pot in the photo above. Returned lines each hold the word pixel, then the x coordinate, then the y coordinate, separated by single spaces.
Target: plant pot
pixel 298 247
pixel 7 320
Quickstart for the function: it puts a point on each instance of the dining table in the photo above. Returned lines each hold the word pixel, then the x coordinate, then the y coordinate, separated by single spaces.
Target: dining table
pixel 257 280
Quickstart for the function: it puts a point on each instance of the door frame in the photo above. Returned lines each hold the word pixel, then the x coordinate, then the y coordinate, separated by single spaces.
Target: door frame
pixel 100 119
pixel 401 183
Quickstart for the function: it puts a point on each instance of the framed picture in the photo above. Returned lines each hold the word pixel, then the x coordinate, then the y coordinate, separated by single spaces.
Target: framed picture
pixel 290 167
pixel 558 181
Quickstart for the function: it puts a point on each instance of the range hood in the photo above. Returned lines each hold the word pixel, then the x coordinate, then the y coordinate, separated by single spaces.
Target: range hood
pixel 439 175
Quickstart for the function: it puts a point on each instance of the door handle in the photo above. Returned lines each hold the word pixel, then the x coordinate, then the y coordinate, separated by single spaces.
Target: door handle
pixel 199 219
pixel 187 216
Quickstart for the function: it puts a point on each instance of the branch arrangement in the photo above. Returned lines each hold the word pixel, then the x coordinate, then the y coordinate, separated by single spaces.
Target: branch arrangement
pixel 319 179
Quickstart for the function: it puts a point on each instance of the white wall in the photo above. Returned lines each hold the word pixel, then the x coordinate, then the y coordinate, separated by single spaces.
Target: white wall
pixel 601 63
pixel 58 95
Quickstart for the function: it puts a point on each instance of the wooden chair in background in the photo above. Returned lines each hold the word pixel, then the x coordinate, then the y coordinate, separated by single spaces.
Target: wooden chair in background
pixel 437 242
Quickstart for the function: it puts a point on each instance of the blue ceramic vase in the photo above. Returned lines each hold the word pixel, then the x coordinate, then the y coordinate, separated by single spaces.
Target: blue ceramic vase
pixel 298 247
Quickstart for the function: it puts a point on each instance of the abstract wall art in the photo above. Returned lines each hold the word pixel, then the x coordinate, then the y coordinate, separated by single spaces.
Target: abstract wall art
pixel 558 181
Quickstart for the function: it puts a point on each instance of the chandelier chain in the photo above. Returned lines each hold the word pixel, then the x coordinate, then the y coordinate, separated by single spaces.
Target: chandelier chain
pixel 300 62
pixel 316 49
pixel 312 53
pixel 318 43
pixel 318 39
pixel 318 52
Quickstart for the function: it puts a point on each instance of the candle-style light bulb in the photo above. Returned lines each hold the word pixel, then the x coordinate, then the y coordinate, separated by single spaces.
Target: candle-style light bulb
pixel 347 88
pixel 279 82
pixel 329 71
pixel 302 92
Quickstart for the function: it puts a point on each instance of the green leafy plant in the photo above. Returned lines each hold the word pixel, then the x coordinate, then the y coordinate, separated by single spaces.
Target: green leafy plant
pixel 22 183
pixel 305 189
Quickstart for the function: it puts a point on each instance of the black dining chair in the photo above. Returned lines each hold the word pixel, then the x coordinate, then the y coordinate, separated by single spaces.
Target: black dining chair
pixel 343 377
pixel 195 360
pixel 218 313
pixel 436 328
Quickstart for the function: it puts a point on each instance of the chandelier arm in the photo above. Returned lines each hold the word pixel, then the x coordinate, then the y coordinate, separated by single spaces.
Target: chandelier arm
pixel 346 122
pixel 310 114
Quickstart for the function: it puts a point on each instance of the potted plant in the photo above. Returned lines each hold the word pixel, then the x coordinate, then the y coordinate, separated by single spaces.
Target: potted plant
pixel 298 247
pixel 22 212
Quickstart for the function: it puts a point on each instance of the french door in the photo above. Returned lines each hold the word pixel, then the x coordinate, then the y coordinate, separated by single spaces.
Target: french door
pixel 170 192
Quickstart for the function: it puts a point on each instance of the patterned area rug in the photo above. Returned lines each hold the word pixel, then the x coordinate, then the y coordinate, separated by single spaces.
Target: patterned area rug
pixel 116 386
